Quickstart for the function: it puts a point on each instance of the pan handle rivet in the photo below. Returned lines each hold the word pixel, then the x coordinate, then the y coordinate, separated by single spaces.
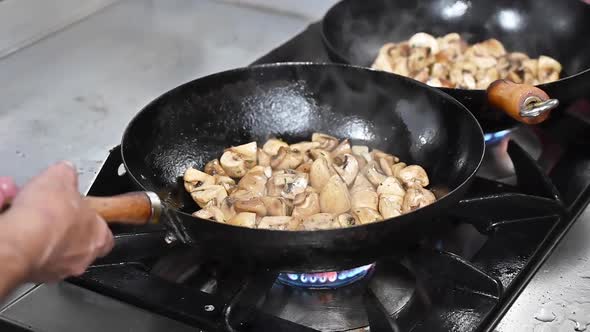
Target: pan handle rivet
pixel 209 307
pixel 170 238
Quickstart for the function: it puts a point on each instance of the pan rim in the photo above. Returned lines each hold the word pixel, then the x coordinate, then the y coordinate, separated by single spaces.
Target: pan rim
pixel 442 201
pixel 346 60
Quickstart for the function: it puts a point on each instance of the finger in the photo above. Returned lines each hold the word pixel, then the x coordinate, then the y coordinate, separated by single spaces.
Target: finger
pixel 63 172
pixel 107 242
pixel 8 187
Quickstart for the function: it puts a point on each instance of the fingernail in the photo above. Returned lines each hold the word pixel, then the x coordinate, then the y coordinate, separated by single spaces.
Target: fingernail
pixel 69 164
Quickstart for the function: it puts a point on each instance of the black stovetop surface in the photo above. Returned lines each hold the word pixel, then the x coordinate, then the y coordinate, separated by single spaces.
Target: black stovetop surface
pixel 461 280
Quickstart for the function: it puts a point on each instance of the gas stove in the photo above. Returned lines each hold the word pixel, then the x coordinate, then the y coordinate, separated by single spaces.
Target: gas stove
pixel 532 186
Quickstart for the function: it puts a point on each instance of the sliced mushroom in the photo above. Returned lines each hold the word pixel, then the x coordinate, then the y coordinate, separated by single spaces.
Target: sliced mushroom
pixel 254 181
pixel 396 168
pixel 227 207
pixel 194 178
pixel 390 205
pixel 304 147
pixel 233 164
pixel 361 183
pixel 385 160
pixel 287 184
pixel 348 170
pixel 305 167
pixel 549 69
pixel 373 174
pixel 360 150
pixel 391 186
pixel 414 175
pixel 341 149
pixel 334 196
pixel 205 194
pixel 319 173
pixel 327 142
pixel 242 195
pixel 491 47
pixel 417 197
pixel 345 220
pixel 318 221
pixel 276 223
pixel 422 75
pixel 319 153
pixel 263 158
pixel 272 146
pixel 210 212
pixel 366 215
pixel 243 219
pixel 286 159
pixel 276 206
pixel 364 198
pixel 226 182
pixel 309 206
pixel 214 168
pixel 422 39
pixel 255 205
pixel 247 152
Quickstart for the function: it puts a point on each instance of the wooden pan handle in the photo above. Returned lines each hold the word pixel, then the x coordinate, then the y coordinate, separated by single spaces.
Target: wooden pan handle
pixel 134 208
pixel 525 103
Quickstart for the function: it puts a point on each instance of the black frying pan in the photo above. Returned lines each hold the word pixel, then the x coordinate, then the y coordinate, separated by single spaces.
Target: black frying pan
pixel 194 122
pixel 354 30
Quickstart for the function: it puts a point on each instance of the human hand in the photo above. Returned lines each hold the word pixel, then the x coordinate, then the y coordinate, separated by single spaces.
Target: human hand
pixel 54 228
pixel 8 190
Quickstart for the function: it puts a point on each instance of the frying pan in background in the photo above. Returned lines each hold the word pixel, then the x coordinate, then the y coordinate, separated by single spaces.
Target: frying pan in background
pixel 194 122
pixel 354 30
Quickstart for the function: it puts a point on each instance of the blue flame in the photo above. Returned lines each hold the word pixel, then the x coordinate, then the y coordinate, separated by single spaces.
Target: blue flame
pixel 491 138
pixel 325 279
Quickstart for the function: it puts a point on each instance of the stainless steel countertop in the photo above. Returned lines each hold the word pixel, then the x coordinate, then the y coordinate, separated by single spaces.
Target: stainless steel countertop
pixel 70 95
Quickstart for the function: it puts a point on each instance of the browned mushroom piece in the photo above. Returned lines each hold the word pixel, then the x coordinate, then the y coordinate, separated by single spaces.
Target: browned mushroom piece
pixel 287 183
pixel 254 181
pixel 373 174
pixel 281 223
pixel 205 194
pixel 334 196
pixel 309 205
pixel 254 205
pixel 319 173
pixel 391 186
pixel 390 205
pixel 414 175
pixel 364 198
pixel 244 219
pixel 366 215
pixel 318 221
pixel 348 169
pixel 194 178
pixel 345 220
pixel 272 146
pixel 417 197
pixel 424 40
pixel 286 159
pixel 247 152
pixel 263 158
pixel 341 149
pixel 549 69
pixel 319 153
pixel 276 206
pixel 213 167
pixel 233 164
pixel 304 147
pixel 227 207
pixel 211 212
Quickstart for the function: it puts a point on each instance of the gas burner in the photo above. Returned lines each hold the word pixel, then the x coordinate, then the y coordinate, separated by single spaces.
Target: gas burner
pixel 325 280
pixel 343 309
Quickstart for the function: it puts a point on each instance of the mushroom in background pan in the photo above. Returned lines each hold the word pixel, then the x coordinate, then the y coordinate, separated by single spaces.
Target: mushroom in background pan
pixel 450 63
pixel 312 185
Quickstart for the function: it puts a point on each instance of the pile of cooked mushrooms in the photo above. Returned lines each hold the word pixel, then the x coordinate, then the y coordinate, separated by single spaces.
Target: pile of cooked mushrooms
pixel 449 62
pixel 314 185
